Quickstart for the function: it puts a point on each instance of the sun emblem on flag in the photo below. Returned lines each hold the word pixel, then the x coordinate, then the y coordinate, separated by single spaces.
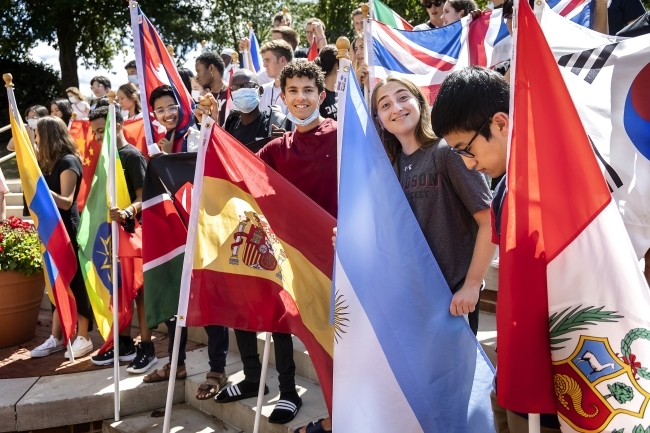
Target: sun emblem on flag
pixel 259 247
pixel 340 313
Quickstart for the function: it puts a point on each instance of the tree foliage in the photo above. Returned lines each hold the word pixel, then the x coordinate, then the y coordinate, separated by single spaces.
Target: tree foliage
pixel 621 392
pixel 35 83
pixel 92 31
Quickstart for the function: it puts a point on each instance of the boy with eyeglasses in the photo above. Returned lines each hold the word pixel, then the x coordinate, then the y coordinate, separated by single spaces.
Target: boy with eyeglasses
pixel 471 114
pixel 434 10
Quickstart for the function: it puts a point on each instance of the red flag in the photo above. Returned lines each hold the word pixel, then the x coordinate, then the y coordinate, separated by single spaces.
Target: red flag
pixel 91 156
pixel 555 189
pixel 135 135
pixel 313 50
pixel 82 134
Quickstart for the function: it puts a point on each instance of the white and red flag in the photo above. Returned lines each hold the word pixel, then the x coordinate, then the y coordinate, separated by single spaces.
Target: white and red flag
pixel 573 323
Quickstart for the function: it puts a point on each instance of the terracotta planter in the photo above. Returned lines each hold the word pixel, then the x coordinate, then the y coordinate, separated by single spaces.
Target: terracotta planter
pixel 21 300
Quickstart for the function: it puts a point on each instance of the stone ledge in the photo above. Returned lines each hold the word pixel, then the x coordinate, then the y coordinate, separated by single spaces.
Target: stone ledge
pixel 12 391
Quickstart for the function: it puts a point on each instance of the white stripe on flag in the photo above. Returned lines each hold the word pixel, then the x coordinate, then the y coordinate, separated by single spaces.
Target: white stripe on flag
pixel 162 259
pixel 155 200
pixel 369 384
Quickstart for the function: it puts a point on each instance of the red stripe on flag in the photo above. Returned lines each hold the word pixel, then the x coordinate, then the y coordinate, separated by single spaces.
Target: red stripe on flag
pixel 427 59
pixel 571 6
pixel 163 220
pixel 254 304
pixel 313 50
pixel 266 185
pixel 66 308
pixel 62 253
pixel 478 29
pixel 555 189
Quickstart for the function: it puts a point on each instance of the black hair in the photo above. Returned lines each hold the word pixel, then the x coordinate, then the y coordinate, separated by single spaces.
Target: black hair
pixel 101 80
pixel 102 102
pixel 65 107
pixel 212 59
pixel 508 7
pixel 463 5
pixel 102 113
pixel 327 58
pixel 303 68
pixel 186 76
pixel 159 92
pixel 130 65
pixel 467 98
pixel 38 109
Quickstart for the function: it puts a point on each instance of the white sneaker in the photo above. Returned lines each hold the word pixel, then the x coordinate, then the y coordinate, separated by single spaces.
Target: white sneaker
pixel 51 345
pixel 80 347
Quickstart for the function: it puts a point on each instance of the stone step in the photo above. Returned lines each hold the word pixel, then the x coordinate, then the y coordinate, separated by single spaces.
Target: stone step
pixel 14 185
pixel 304 366
pixel 185 419
pixel 86 397
pixel 14 199
pixel 241 414
pixel 16 211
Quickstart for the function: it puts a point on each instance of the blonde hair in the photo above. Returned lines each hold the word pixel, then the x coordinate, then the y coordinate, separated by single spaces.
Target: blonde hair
pixel 54 142
pixel 75 91
pixel 423 131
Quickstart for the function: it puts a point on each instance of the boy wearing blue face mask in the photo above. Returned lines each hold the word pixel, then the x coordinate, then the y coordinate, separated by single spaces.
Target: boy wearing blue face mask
pixel 247 123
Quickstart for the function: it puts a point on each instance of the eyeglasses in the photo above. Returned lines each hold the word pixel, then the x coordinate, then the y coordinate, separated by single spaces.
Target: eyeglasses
pixel 436 3
pixel 465 152
pixel 249 85
pixel 172 109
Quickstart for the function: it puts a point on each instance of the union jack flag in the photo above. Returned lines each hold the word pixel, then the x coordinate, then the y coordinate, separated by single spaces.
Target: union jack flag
pixel 156 67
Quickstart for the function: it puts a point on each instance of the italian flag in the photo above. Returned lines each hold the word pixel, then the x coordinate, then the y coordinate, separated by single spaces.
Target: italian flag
pixel 386 15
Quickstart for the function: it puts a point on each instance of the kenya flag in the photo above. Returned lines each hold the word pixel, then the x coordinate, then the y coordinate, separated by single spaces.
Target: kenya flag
pixel 166 196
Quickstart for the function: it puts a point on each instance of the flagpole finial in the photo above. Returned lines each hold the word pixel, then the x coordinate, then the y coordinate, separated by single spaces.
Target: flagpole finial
pixel 8 80
pixel 284 10
pixel 111 96
pixel 74 114
pixel 170 50
pixel 204 43
pixel 365 10
pixel 343 45
pixel 250 25
pixel 235 58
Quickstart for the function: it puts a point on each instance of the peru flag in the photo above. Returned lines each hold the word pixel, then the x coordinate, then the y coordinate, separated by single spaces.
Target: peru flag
pixel 155 68
pixel 573 304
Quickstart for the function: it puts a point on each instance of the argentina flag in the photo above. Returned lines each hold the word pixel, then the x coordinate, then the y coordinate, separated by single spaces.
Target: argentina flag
pixel 402 362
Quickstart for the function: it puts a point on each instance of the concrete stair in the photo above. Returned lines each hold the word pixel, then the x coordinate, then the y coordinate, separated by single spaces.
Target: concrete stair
pixel 14 200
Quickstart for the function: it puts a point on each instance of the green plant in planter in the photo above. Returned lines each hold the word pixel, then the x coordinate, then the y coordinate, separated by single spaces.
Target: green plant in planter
pixel 20 249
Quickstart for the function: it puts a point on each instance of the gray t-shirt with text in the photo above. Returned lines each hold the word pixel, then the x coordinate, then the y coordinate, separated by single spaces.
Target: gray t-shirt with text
pixel 444 195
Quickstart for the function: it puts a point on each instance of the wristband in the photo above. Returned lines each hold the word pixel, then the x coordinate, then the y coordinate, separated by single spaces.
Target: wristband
pixel 323 38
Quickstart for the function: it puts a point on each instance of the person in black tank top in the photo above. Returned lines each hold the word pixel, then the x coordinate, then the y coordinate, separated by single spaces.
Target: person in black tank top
pixel 61 166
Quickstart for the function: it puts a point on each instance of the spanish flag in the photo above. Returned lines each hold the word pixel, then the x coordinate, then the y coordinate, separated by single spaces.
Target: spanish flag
pixel 94 236
pixel 263 255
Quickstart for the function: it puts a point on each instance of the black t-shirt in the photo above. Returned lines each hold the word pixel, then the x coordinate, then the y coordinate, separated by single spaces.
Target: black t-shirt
pixel 134 165
pixel 256 130
pixel 329 107
pixel 70 217
pixel 621 12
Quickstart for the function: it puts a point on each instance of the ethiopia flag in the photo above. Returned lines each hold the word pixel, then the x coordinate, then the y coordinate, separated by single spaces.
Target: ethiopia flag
pixel 386 15
pixel 166 198
pixel 94 235
pixel 263 255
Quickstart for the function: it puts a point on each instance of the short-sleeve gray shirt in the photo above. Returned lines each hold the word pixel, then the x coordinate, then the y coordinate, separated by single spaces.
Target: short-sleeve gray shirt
pixel 444 195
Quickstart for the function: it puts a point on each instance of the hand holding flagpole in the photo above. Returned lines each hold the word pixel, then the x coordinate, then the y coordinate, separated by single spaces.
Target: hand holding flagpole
pixel 112 193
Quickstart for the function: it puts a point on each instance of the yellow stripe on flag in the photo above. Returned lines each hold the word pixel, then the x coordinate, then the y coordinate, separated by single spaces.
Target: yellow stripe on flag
pixel 220 215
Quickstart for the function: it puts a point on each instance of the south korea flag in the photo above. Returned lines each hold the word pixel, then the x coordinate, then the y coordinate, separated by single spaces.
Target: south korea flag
pixel 609 81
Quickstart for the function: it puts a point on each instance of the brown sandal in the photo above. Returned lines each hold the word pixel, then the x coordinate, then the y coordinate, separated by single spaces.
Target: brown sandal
pixel 211 386
pixel 162 374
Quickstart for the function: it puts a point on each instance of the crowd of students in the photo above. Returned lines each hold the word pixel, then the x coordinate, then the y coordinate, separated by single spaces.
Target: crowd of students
pixel 287 114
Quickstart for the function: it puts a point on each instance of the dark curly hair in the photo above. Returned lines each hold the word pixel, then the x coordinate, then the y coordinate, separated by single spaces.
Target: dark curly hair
pixel 303 68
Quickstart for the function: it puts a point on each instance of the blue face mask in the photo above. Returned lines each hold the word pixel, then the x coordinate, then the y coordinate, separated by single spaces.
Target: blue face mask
pixel 245 100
